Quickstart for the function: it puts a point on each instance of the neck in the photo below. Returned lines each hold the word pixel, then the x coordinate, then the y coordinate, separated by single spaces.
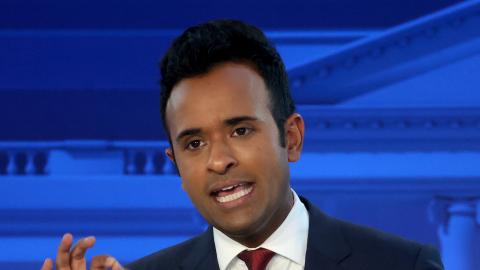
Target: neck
pixel 259 237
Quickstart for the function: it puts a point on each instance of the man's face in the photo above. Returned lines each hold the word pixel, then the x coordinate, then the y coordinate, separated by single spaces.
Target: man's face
pixel 226 147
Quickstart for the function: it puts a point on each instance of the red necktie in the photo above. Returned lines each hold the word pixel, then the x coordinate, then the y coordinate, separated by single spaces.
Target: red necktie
pixel 256 259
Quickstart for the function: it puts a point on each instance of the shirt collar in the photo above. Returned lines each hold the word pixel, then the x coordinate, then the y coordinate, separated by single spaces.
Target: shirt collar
pixel 289 240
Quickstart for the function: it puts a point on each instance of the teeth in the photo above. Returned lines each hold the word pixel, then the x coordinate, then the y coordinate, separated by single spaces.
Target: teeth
pixel 235 196
pixel 230 187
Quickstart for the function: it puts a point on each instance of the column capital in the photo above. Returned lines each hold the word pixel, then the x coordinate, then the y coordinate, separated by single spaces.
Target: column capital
pixel 442 208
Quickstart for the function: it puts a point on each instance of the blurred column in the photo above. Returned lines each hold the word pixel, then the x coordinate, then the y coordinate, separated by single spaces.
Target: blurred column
pixel 158 161
pixel 149 163
pixel 140 161
pixel 40 162
pixel 458 231
pixel 4 161
pixel 21 161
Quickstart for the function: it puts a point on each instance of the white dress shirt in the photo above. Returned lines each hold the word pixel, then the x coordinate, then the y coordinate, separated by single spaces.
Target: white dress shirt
pixel 289 242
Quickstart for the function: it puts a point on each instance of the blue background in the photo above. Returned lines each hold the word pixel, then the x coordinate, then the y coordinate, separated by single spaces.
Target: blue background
pixel 389 91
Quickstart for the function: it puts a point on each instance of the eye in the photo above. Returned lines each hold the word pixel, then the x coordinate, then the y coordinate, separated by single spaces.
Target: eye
pixel 195 144
pixel 242 131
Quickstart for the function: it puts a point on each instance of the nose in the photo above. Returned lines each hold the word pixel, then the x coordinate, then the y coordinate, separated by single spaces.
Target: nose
pixel 221 158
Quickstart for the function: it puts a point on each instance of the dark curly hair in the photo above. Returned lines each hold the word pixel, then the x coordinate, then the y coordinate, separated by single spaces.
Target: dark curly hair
pixel 202 47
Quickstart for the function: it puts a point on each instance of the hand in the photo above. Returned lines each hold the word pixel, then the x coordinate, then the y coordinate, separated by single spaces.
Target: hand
pixel 74 259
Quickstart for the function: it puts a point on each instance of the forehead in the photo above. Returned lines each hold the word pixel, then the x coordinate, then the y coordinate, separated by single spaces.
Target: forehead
pixel 227 91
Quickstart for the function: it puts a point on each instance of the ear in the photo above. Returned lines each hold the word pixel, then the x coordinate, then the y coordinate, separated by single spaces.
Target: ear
pixel 171 156
pixel 294 132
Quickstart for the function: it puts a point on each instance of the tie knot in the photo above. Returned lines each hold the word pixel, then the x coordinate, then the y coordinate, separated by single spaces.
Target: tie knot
pixel 256 259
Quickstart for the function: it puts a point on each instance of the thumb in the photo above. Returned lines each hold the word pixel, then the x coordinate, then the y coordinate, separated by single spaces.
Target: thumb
pixel 47 264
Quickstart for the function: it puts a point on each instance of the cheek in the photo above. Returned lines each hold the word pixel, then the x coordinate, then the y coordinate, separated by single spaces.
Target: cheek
pixel 189 176
pixel 272 163
pixel 263 157
pixel 187 165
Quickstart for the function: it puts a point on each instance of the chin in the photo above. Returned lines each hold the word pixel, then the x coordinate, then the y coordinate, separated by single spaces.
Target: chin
pixel 239 228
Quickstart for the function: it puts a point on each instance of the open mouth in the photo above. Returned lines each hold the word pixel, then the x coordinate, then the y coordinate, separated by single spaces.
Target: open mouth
pixel 233 192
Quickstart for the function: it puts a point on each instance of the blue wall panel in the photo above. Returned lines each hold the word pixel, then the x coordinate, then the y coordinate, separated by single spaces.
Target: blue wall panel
pixel 83 94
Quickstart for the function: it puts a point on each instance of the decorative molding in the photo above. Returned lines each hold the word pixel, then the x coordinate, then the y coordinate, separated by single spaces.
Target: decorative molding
pixel 50 206
pixel 424 186
pixel 328 130
pixel 98 50
pixel 30 157
pixel 112 222
pixel 396 54
pixel 391 129
pixel 317 37
pixel 276 36
pixel 77 192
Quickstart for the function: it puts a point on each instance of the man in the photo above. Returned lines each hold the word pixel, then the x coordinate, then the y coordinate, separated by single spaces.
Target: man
pixel 233 129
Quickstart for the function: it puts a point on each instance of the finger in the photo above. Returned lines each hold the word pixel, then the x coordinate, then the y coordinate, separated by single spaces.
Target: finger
pixel 77 256
pixel 114 264
pixel 47 264
pixel 98 262
pixel 63 253
pixel 103 262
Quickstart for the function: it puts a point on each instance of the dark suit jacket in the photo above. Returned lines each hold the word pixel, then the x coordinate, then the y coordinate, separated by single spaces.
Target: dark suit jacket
pixel 332 245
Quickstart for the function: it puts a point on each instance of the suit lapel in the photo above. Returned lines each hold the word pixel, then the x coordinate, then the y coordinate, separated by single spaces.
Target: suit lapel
pixel 203 255
pixel 326 247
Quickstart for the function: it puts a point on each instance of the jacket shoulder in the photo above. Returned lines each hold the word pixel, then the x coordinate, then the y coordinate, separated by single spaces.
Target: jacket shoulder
pixel 369 238
pixel 362 248
pixel 387 249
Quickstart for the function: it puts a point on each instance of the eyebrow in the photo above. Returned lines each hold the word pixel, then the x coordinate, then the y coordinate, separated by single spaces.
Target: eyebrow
pixel 228 122
pixel 188 132
pixel 238 119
